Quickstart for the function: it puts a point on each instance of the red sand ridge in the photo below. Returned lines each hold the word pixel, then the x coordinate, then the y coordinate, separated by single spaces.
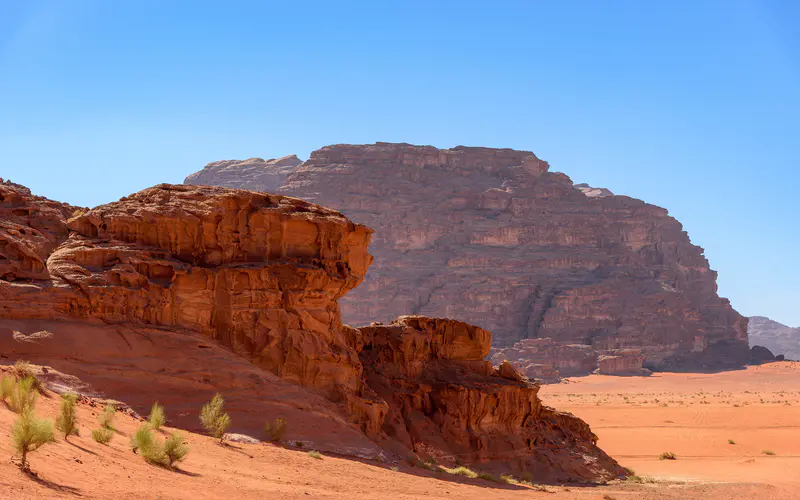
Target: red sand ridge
pixel 126 298
pixel 492 237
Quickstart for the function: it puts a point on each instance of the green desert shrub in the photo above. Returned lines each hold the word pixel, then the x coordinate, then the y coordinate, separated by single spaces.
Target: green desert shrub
pixel 142 438
pixel 731 441
pixel 102 435
pixel 214 419
pixel 315 454
pixel 157 417
pixel 276 430
pixel 489 477
pixel 768 452
pixel 67 420
pixel 462 471
pixel 23 395
pixel 667 455
pixel 106 417
pixel 29 433
pixel 6 386
pixel 175 450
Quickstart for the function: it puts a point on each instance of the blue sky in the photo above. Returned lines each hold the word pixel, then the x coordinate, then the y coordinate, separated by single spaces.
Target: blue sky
pixel 694 106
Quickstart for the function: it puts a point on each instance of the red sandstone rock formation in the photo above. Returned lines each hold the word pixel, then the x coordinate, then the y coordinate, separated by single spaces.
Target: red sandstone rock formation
pixel 132 292
pixel 621 362
pixel 444 396
pixel 492 237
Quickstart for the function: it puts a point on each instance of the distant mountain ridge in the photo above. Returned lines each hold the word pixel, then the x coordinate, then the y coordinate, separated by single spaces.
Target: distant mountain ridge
pixel 777 337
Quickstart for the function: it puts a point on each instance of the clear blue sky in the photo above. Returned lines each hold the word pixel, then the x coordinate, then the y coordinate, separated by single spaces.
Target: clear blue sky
pixel 694 106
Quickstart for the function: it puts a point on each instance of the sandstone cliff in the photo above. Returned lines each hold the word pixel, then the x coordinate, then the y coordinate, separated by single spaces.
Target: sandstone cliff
pixel 777 337
pixel 182 285
pixel 493 237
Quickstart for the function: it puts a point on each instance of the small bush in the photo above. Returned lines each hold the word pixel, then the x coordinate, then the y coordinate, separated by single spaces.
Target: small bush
pixel 102 435
pixel 667 455
pixel 6 386
pixel 23 395
pixel 106 417
pixel 67 421
pixel 508 479
pixel 276 430
pixel 768 452
pixel 461 471
pixel 214 419
pixel 488 477
pixel 731 441
pixel 29 433
pixel 175 449
pixel 142 438
pixel 157 417
pixel 315 454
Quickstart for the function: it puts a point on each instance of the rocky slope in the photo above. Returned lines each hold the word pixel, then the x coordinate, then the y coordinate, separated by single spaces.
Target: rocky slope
pixel 175 288
pixel 493 237
pixel 777 337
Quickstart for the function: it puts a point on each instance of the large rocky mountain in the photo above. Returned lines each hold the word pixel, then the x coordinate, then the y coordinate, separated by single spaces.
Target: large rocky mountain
pixel 493 237
pixel 177 292
pixel 777 337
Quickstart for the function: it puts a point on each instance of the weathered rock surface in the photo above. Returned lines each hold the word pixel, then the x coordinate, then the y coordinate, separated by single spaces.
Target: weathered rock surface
pixel 255 174
pixel 760 355
pixel 775 336
pixel 546 360
pixel 183 285
pixel 492 237
pixel 445 400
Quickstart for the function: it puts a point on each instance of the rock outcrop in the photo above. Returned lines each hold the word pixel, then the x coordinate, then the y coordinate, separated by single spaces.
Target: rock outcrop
pixel 775 336
pixel 447 401
pixel 493 237
pixel 546 360
pixel 255 174
pixel 760 355
pixel 175 281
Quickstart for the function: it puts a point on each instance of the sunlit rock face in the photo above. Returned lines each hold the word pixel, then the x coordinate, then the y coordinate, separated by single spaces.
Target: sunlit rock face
pixel 492 237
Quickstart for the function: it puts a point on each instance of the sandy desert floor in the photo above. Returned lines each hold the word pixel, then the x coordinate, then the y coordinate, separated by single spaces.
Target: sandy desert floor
pixel 637 419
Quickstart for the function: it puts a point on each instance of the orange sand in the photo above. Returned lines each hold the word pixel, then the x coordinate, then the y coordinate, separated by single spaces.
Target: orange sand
pixel 702 413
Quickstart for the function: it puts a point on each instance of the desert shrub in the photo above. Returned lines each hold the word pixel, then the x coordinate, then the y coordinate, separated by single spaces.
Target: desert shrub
pixel 667 455
pixel 106 417
pixel 23 395
pixel 768 452
pixel 214 419
pixel 508 479
pixel 315 454
pixel 175 449
pixel 102 435
pixel 6 386
pixel 276 430
pixel 157 417
pixel 489 477
pixel 461 471
pixel 142 437
pixel 67 420
pixel 731 441
pixel 29 433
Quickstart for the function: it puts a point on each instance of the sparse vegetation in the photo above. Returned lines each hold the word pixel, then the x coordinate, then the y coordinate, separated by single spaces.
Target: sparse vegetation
pixel 142 438
pixel 23 395
pixel 175 450
pixel 508 479
pixel 276 430
pixel 731 441
pixel 667 455
pixel 214 419
pixel 461 471
pixel 6 386
pixel 102 435
pixel 488 477
pixel 29 433
pixel 67 421
pixel 106 418
pixel 315 454
pixel 157 418
pixel 768 452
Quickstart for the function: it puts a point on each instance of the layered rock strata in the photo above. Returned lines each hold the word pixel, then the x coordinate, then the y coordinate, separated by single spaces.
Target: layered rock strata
pixel 493 237
pixel 259 276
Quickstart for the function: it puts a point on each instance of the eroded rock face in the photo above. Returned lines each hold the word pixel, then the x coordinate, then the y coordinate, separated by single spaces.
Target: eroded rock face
pixel 621 362
pixel 492 237
pixel 256 174
pixel 775 336
pixel 178 286
pixel 446 401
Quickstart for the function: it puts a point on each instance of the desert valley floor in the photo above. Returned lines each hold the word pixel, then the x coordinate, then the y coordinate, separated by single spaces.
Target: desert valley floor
pixel 636 418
